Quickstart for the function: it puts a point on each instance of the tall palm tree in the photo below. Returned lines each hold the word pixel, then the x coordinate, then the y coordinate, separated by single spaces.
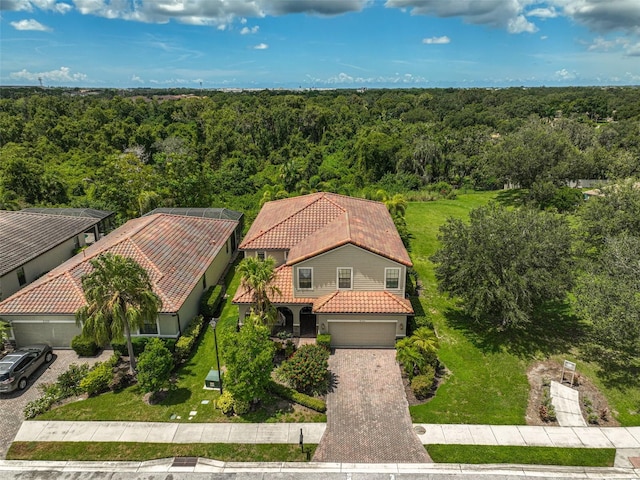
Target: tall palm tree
pixel 119 298
pixel 258 276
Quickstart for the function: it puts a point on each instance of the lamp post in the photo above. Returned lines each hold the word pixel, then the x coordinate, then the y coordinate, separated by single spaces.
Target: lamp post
pixel 213 324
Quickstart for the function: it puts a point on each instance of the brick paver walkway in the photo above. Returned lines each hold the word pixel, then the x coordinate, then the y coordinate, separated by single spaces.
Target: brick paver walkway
pixel 367 412
pixel 12 404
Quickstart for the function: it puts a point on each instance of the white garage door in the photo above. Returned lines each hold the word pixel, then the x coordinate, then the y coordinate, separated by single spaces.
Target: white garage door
pixel 362 334
pixel 57 335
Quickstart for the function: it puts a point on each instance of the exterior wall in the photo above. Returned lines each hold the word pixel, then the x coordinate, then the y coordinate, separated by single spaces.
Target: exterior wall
pixel 39 265
pixel 168 325
pixel 278 255
pixel 368 272
pixel 218 266
pixel 401 321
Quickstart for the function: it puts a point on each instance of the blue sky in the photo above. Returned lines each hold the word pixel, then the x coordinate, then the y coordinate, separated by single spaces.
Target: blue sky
pixel 319 43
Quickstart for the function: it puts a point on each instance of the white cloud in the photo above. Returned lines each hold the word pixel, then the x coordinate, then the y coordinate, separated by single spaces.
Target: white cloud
pixel 547 12
pixel 63 74
pixel 436 40
pixel 30 25
pixel 632 49
pixel 28 5
pixel 565 74
pixel 544 37
pixel 261 46
pixel 249 30
pixel 137 79
pixel 520 25
pixel 346 79
pixel 604 15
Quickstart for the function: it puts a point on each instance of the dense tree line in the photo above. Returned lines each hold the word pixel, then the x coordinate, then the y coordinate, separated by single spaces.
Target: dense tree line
pixel 133 150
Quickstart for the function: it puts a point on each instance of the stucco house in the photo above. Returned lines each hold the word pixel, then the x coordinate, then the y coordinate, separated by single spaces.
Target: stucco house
pixel 341 268
pixel 33 241
pixel 182 254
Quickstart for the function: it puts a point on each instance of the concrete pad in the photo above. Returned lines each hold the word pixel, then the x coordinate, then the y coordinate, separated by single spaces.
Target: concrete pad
pixel 482 435
pixel 592 437
pixel 189 433
pixel 163 433
pixel 433 435
pixel 54 431
pixel 30 431
pixel 563 437
pixel 635 432
pixel 216 433
pixel 81 432
pixel 272 433
pixel 136 432
pixel 109 432
pixel 562 391
pixel 620 437
pixel 507 435
pixel 243 433
pixel 457 434
pixel 535 436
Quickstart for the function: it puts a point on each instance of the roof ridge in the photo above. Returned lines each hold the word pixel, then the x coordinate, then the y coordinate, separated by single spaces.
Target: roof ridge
pixel 80 290
pixel 395 299
pixel 322 301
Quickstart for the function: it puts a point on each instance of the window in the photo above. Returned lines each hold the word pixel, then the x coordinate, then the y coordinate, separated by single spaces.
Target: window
pixel 149 329
pixel 226 246
pixel 204 281
pixel 261 255
pixel 392 278
pixel 305 278
pixel 22 280
pixel 344 278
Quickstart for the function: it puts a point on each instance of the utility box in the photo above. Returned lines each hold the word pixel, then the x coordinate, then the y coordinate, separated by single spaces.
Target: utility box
pixel 213 380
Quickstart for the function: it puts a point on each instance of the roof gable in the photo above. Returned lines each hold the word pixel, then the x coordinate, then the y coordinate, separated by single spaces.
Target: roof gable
pixel 175 251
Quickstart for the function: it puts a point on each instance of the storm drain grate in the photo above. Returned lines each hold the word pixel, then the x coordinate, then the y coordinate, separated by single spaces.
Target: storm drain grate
pixel 185 461
pixel 420 430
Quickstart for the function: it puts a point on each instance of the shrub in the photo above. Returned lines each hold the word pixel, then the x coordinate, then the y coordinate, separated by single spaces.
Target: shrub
pixel 289 348
pixel 240 407
pixel 421 384
pixel 324 340
pixel 283 335
pixel 188 339
pixel 211 300
pixel 307 370
pixel 593 418
pixel 287 393
pixel 154 366
pixel 84 347
pixel 98 379
pixel 138 343
pixel 38 406
pixel 69 381
pixel 225 403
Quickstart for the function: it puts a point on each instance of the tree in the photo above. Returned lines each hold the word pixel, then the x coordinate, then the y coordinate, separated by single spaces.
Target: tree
pixel 307 371
pixel 418 352
pixel 119 298
pixel 258 276
pixel 248 356
pixel 608 295
pixel 505 263
pixel 154 366
pixel 4 330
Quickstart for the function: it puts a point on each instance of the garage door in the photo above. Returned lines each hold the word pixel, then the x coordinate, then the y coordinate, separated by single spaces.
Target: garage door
pixel 58 335
pixel 362 334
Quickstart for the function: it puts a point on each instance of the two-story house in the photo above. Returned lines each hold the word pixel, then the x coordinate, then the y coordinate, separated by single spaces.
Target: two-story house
pixel 341 268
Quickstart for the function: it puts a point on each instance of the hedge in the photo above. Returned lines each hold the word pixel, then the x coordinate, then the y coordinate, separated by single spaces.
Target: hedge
pixel 139 343
pixel 211 300
pixel 287 393
pixel 186 342
pixel 324 339
pixel 84 347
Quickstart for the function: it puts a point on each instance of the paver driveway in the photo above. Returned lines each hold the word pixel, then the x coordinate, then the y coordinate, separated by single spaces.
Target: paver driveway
pixel 367 412
pixel 12 404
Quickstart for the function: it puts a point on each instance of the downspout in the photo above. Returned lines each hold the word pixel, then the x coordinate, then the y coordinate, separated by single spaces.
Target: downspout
pixel 179 329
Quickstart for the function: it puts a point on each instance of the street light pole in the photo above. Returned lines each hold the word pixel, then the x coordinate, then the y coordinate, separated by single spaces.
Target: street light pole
pixel 213 323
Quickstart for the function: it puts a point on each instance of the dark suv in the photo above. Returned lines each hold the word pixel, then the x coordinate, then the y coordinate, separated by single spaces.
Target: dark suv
pixel 18 366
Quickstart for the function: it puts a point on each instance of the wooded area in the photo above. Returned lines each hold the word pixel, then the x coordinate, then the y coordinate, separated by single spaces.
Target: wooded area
pixel 133 150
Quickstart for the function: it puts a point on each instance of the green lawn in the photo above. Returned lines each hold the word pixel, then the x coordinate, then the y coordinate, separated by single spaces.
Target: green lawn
pixel 188 393
pixel 127 451
pixel 487 383
pixel 476 454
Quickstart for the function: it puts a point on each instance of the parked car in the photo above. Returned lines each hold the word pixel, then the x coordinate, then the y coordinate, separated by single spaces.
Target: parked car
pixel 18 366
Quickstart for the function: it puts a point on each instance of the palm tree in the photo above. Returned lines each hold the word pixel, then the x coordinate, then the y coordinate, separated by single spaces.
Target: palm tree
pixel 409 355
pixel 119 298
pixel 258 276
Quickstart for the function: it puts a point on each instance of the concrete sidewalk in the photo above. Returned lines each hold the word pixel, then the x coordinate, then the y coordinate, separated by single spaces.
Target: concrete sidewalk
pixel 522 435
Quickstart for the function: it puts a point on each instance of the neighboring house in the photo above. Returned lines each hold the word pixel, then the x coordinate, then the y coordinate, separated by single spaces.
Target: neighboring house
pixel 596 192
pixel 33 241
pixel 341 268
pixel 183 256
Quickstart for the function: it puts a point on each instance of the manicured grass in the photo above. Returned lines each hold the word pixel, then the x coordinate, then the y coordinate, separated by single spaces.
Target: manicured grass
pixel 475 454
pixel 188 394
pixel 117 451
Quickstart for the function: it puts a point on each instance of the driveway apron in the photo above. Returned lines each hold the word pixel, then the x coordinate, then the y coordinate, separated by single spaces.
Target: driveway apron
pixel 367 411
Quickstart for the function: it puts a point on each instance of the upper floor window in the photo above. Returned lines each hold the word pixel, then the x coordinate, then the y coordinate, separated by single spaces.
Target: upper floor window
pixel 261 255
pixel 22 279
pixel 305 278
pixel 392 278
pixel 345 275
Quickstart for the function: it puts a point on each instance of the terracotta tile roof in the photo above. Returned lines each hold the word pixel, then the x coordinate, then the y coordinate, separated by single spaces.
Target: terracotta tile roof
pixel 336 302
pixel 175 251
pixel 283 281
pixel 362 302
pixel 26 235
pixel 313 224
